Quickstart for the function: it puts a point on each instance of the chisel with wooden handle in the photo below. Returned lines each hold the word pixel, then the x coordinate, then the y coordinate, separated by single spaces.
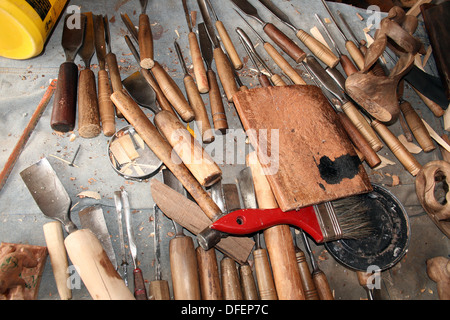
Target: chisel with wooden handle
pixel 208 270
pixel 230 280
pixel 145 38
pixel 309 287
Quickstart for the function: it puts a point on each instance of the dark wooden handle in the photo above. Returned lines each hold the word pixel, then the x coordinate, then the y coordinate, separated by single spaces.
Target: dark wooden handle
pixel 88 112
pixel 159 290
pixel 417 127
pixel 219 116
pixel 347 65
pixel 160 97
pixel 230 280
pixel 225 72
pixel 65 102
pixel 208 270
pixel 199 66
pixel 322 285
pixel 309 288
pixel 264 275
pixel 318 49
pixel 285 43
pixel 145 38
pixel 264 80
pixel 114 74
pixel 183 266
pixel 359 141
pixel 248 284
pixel 139 285
pixel 105 105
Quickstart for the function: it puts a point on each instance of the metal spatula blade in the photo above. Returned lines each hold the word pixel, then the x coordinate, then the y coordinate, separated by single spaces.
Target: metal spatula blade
pixel 141 91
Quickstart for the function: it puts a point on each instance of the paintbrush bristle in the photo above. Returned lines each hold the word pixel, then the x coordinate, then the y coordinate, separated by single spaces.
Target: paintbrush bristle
pixel 353 218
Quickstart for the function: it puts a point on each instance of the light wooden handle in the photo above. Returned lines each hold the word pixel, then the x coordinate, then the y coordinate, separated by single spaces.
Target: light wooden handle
pixel 225 73
pixel 94 267
pixel 356 54
pixel 173 93
pixel 322 285
pixel 230 280
pixel 285 43
pixel 309 288
pixel 318 49
pixel 417 127
pixel 54 239
pixel 277 80
pixel 163 150
pixel 208 270
pixel 197 104
pixel 114 74
pixel 145 38
pixel 362 125
pixel 398 149
pixel 88 112
pixel 190 151
pixel 159 290
pixel 283 64
pixel 199 66
pixel 183 266
pixel 264 275
pixel 219 116
pixel 229 47
pixel 433 106
pixel 160 97
pixel 105 105
pixel 248 284
pixel 278 240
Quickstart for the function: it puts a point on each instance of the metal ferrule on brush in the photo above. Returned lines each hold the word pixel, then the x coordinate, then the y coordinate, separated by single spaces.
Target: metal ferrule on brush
pixel 328 222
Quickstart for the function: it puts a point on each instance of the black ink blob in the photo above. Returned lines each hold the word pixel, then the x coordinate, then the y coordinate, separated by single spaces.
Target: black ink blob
pixel 333 172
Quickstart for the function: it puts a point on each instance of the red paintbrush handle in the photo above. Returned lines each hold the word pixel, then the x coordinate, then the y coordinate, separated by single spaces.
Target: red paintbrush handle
pixel 247 221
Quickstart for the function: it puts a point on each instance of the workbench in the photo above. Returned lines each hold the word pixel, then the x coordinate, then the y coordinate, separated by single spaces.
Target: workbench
pixel 23 83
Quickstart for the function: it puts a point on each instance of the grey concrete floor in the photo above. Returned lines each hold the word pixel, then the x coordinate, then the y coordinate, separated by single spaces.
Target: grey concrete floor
pixel 22 84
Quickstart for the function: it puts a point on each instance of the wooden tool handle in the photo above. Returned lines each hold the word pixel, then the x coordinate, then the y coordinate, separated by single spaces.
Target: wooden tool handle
pixel 88 112
pixel 264 275
pixel 139 285
pixel 285 43
pixel 208 271
pixel 183 265
pixel 173 93
pixel 264 80
pixel 318 49
pixel 278 240
pixel 65 102
pixel 309 288
pixel 359 141
pixel 219 116
pixel 362 125
pixel 105 105
pixel 159 290
pixel 54 239
pixel 230 280
pixel 225 73
pixel 277 80
pixel 197 104
pixel 197 61
pixel 398 149
pixel 248 284
pixel 229 47
pixel 433 106
pixel 322 285
pixel 145 38
pixel 94 267
pixel 356 54
pixel 417 127
pixel 347 65
pixel 190 151
pixel 163 150
pixel 283 64
pixel 160 97
pixel 114 74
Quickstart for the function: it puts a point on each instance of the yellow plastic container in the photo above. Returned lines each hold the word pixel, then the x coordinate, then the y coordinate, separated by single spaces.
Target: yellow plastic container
pixel 25 26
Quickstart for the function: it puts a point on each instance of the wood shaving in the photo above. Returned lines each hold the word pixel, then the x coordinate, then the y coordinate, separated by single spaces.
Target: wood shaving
pixel 89 194
pixel 410 146
pixel 384 162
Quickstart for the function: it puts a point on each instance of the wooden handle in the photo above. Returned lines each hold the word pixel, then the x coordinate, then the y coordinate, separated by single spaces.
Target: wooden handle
pixel 159 290
pixel 359 141
pixel 322 285
pixel 219 116
pixel 264 275
pixel 173 93
pixel 362 125
pixel 114 74
pixel 225 73
pixel 285 43
pixel 139 285
pixel 318 49
pixel 417 127
pixel 283 64
pixel 190 151
pixel 145 38
pixel 229 47
pixel 88 112
pixel 277 80
pixel 356 54
pixel 65 102
pixel 433 106
pixel 264 80
pixel 183 265
pixel 160 97
pixel 248 284
pixel 347 65
pixel 278 240
pixel 208 271
pixel 54 239
pixel 197 61
pixel 163 150
pixel 398 149
pixel 105 105
pixel 309 288
pixel 197 104
pixel 94 267
pixel 230 280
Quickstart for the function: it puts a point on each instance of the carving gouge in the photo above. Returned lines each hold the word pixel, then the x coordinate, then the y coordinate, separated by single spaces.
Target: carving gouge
pixel 145 38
